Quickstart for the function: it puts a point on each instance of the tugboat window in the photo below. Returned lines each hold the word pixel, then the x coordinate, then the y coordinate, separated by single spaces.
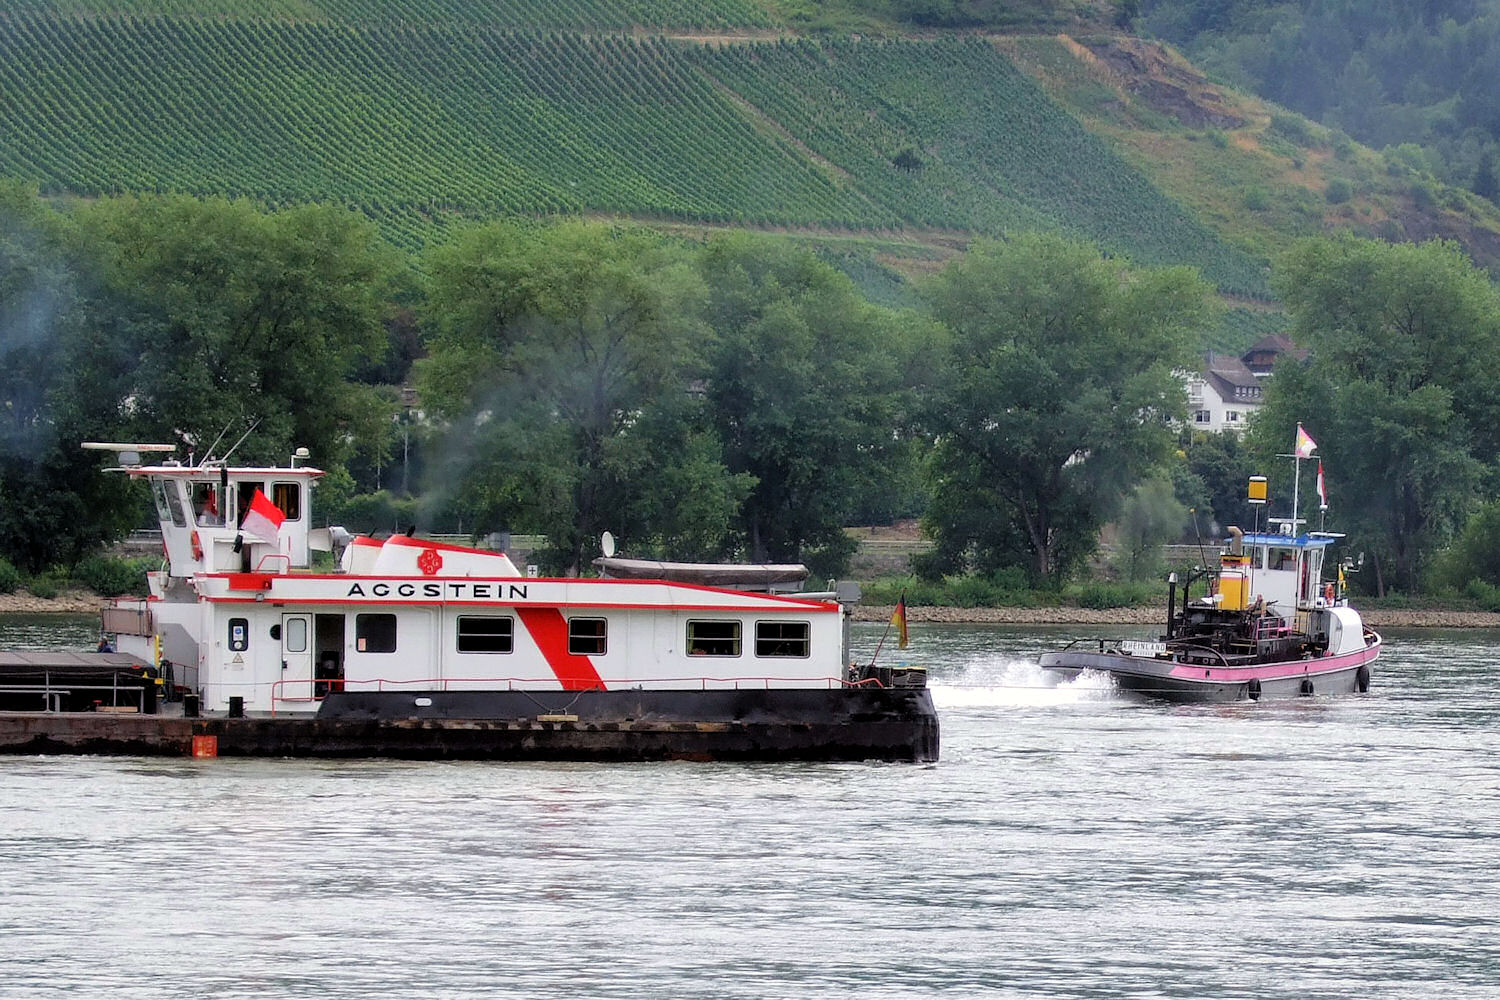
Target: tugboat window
pixel 586 636
pixel 375 633
pixel 713 638
pixel 485 634
pixel 783 639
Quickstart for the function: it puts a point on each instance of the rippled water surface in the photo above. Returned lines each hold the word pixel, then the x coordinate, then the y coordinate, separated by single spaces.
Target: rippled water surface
pixel 1070 843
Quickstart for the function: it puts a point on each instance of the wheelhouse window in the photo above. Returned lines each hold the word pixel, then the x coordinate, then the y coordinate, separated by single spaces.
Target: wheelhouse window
pixel 1282 559
pixel 375 633
pixel 168 503
pixel 486 634
pixel 288 498
pixel 783 639
pixel 586 636
pixel 207 508
pixel 713 638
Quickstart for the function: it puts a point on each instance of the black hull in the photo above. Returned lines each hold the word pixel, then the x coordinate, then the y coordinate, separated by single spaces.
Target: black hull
pixel 783 724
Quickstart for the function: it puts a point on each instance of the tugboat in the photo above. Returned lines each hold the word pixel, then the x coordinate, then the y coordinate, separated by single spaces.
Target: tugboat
pixel 411 647
pixel 1296 636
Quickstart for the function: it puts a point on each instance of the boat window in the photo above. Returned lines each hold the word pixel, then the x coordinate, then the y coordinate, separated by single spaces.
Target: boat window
pixel 206 507
pixel 783 639
pixel 246 494
pixel 487 634
pixel 1282 559
pixel 720 638
pixel 375 633
pixel 239 635
pixel 296 635
pixel 288 497
pixel 168 503
pixel 586 636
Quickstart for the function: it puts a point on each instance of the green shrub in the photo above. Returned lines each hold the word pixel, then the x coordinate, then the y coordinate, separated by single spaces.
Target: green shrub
pixel 1292 128
pixel 1339 191
pixel 109 576
pixel 1485 595
pixel 1256 199
pixel 43 586
pixel 10 577
pixel 1100 596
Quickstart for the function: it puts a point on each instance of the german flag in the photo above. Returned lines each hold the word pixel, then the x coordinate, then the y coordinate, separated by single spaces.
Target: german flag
pixel 898 619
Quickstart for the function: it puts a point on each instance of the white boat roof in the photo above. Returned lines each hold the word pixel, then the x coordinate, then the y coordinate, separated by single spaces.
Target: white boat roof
pixel 237 471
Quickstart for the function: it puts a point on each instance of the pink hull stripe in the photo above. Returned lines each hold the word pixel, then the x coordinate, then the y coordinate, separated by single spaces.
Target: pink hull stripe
pixel 549 630
pixel 1273 671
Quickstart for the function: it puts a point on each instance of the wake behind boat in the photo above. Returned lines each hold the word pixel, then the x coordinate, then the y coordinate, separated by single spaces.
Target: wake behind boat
pixel 1297 636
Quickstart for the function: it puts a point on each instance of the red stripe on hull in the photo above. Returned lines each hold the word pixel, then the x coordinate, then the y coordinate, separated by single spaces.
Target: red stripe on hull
pixel 549 630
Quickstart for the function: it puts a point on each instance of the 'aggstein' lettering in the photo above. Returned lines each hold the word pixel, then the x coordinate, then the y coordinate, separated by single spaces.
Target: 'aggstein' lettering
pixel 452 590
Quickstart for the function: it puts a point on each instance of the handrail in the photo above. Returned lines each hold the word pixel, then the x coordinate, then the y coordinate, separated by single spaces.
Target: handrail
pixel 273 555
pixel 1210 649
pixel 551 684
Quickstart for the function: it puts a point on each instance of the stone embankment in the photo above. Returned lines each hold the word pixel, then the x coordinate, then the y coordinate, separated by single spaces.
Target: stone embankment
pixel 84 602
pixel 74 602
pixel 1150 616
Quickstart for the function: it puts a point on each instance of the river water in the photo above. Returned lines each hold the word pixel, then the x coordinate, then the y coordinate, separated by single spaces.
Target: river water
pixel 1070 843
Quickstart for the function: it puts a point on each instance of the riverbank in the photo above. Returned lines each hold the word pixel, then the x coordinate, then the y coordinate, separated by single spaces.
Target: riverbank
pixel 87 603
pixel 1151 616
pixel 67 602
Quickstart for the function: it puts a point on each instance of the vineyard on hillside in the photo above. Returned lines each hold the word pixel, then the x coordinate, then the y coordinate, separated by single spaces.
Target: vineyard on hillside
pixel 416 125
pixel 975 143
pixel 612 15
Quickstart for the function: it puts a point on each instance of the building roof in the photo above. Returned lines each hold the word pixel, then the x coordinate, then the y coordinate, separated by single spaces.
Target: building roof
pixel 1262 355
pixel 1231 378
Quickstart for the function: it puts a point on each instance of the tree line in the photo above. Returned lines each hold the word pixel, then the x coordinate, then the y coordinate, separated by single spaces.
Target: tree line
pixel 730 397
pixel 1415 78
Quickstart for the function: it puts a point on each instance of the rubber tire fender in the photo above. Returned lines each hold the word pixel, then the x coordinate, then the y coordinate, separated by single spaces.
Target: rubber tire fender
pixel 1362 678
pixel 1252 689
pixel 1307 686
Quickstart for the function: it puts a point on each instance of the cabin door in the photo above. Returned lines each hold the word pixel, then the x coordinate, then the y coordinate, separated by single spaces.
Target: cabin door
pixel 296 657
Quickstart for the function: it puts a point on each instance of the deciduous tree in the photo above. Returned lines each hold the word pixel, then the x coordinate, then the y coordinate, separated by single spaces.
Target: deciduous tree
pixel 1402 390
pixel 559 354
pixel 1054 398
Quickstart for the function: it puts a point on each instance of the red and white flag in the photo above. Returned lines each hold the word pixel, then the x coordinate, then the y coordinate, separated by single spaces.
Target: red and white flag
pixel 263 519
pixel 1322 489
pixel 1305 443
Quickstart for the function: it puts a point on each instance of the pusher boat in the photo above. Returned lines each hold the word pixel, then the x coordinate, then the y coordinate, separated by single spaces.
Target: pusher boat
pixel 415 648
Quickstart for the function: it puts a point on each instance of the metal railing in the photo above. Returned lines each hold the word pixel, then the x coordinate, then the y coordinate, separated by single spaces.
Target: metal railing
pixel 548 684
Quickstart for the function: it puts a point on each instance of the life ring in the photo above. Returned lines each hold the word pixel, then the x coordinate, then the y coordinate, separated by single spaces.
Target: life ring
pixel 1252 689
pixel 1307 686
pixel 197 545
pixel 1362 679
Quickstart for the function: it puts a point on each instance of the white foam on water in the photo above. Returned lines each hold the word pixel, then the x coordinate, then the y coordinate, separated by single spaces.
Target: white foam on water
pixel 999 682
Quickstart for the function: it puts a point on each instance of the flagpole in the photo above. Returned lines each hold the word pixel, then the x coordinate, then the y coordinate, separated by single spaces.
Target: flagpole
pixel 889 622
pixel 879 645
pixel 1296 488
